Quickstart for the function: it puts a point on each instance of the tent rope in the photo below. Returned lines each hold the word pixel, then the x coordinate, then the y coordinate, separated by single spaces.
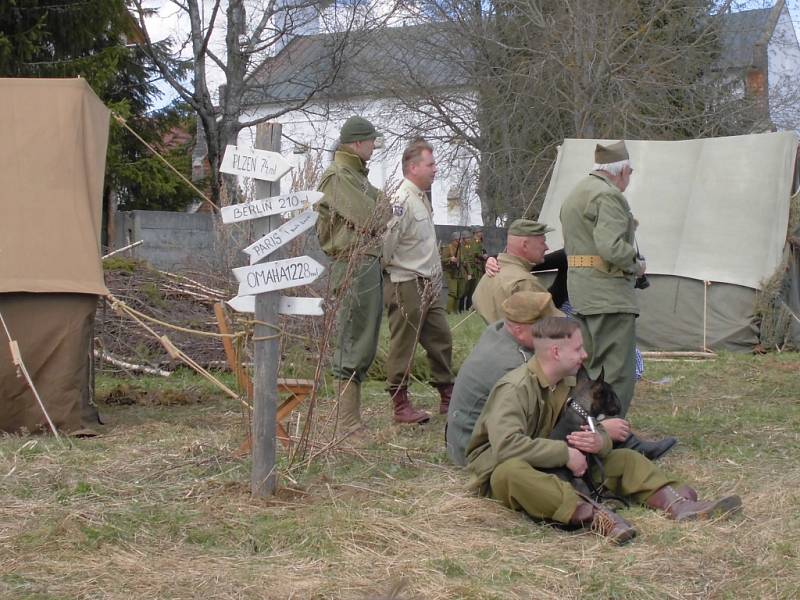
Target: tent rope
pixel 16 357
pixel 176 352
pixel 124 123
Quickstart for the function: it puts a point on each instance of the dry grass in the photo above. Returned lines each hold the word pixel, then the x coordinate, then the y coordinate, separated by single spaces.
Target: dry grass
pixel 158 507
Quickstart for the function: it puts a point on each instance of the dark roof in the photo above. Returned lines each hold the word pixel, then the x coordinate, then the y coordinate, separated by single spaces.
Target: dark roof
pixel 740 33
pixel 360 64
pixel 396 60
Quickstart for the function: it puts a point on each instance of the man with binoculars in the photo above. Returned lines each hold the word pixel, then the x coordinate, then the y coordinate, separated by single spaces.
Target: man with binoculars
pixel 605 267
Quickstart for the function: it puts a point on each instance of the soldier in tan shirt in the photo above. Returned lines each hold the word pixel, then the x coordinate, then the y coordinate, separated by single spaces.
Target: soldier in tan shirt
pixel 411 293
pixel 525 247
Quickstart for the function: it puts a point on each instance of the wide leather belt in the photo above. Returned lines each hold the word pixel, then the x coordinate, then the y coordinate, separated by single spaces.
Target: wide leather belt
pixel 585 260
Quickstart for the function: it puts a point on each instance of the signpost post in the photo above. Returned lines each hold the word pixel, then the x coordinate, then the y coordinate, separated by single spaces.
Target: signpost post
pixel 259 284
pixel 267 345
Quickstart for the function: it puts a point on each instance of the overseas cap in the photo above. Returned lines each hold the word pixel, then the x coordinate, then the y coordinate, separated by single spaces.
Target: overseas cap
pixel 528 228
pixel 455 236
pixel 528 307
pixel 357 129
pixel 604 155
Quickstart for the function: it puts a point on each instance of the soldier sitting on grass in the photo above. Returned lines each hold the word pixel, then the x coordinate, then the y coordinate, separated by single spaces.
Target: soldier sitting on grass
pixel 510 445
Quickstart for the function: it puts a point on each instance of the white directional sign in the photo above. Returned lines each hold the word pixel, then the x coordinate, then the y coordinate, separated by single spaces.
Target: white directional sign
pixel 269 206
pixel 259 164
pixel 280 236
pixel 277 275
pixel 288 305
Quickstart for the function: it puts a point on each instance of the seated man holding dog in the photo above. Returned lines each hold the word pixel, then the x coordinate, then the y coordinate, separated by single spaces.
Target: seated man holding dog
pixel 510 444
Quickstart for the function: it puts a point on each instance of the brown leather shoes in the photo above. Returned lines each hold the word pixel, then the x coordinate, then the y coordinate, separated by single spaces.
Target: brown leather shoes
pixel 603 521
pixel 404 411
pixel 445 391
pixel 680 508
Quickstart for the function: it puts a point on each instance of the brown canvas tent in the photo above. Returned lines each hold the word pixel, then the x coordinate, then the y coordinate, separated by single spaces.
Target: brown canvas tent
pixel 52 161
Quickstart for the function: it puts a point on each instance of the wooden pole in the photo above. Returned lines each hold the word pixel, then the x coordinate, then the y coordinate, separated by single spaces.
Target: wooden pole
pixel 267 342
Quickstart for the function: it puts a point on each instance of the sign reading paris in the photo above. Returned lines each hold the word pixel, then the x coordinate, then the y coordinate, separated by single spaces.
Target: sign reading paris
pixel 249 162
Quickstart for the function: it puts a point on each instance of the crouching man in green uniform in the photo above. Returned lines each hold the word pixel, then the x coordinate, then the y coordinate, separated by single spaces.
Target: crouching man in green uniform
pixel 350 229
pixel 510 444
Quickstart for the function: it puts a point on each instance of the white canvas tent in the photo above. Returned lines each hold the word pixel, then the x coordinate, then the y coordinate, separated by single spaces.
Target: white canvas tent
pixel 713 217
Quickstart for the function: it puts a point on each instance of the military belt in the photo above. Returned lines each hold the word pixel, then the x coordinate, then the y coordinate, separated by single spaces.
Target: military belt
pixel 585 260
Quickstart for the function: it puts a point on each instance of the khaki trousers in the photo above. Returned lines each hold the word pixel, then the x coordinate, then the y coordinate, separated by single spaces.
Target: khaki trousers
pixel 610 342
pixel 544 496
pixel 416 315
pixel 358 320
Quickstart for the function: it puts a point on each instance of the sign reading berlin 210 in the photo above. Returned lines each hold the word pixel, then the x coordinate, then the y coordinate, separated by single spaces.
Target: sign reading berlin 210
pixel 277 275
pixel 265 207
pixel 249 162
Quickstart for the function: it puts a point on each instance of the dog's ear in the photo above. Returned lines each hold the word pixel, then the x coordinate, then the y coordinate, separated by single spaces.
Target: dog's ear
pixel 583 375
pixel 601 377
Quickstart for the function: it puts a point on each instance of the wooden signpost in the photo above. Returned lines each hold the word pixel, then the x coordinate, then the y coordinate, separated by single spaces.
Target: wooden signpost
pixel 281 236
pixel 265 207
pixel 255 163
pixel 287 305
pixel 262 282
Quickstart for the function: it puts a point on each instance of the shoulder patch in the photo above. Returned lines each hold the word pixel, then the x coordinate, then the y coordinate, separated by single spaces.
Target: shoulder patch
pixel 398 210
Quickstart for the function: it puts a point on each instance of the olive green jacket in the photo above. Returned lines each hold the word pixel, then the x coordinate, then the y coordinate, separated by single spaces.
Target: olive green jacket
pixel 596 220
pixel 350 214
pixel 516 421
pixel 514 276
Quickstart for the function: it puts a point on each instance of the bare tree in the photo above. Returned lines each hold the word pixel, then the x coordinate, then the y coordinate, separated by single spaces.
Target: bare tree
pixel 257 47
pixel 525 74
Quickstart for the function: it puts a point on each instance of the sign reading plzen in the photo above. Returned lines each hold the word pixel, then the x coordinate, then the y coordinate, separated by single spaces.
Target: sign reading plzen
pixel 277 275
pixel 288 305
pixel 281 236
pixel 249 162
pixel 265 207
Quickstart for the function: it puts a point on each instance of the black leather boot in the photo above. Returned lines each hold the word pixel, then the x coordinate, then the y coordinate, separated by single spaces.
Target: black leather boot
pixel 651 450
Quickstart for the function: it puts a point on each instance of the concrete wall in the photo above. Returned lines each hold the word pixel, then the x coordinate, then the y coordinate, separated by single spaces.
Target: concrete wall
pixel 176 240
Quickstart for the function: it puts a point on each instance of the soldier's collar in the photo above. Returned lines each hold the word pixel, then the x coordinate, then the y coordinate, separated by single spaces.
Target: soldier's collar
pixel 351 160
pixel 600 175
pixel 536 369
pixel 510 258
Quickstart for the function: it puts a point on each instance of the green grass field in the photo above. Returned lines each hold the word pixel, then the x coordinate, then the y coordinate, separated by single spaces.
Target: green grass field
pixel 158 506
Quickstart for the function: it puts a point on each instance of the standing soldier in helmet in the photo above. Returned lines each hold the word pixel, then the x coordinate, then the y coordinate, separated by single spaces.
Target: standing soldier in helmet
pixel 352 218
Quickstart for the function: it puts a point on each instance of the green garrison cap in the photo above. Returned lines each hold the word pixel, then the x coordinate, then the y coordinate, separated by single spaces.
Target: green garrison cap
pixel 527 307
pixel 605 155
pixel 455 236
pixel 357 129
pixel 527 228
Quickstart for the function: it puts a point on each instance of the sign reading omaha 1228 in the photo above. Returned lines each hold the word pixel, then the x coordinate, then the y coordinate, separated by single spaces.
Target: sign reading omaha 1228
pixel 277 275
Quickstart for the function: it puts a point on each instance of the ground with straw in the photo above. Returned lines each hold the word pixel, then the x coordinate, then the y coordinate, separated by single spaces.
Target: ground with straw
pixel 158 506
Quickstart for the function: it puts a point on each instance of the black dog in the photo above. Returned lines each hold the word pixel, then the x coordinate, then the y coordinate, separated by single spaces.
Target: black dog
pixel 590 398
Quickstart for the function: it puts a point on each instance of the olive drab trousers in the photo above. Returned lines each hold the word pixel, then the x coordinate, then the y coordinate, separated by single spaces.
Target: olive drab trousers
pixel 416 315
pixel 544 496
pixel 610 342
pixel 358 317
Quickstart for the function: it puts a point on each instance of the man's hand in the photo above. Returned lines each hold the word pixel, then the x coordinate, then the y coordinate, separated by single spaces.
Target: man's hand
pixel 641 267
pixel 585 441
pixel 492 266
pixel 617 429
pixel 577 462
pixel 453 259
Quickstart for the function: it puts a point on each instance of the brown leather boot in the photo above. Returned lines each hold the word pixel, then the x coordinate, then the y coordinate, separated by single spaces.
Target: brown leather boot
pixel 445 391
pixel 681 508
pixel 404 411
pixel 603 521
